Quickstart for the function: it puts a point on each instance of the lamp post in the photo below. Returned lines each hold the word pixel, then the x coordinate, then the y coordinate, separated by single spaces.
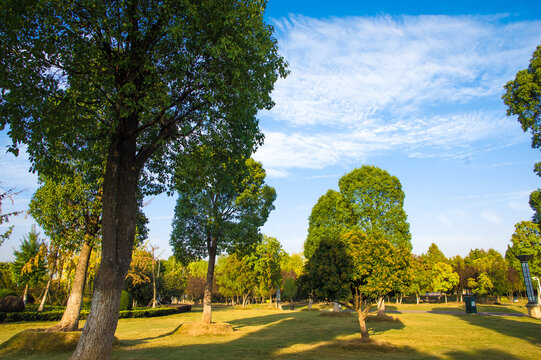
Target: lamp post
pixel 533 306
pixel 538 289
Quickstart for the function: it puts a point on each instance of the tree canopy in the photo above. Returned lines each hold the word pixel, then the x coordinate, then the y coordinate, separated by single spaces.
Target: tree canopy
pixel 132 82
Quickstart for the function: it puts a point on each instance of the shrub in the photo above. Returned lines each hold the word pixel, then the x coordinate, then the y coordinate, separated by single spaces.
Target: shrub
pixel 11 304
pixel 7 292
pixel 57 314
pixel 125 300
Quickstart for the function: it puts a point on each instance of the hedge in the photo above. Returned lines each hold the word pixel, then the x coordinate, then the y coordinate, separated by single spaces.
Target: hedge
pixel 57 314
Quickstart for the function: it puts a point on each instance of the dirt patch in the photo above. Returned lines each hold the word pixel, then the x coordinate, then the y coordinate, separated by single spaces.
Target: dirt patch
pixel 376 318
pixel 201 329
pixel 38 340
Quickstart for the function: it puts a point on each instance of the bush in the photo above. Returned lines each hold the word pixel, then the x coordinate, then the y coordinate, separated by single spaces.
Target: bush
pixel 7 292
pixel 57 314
pixel 11 304
pixel 125 301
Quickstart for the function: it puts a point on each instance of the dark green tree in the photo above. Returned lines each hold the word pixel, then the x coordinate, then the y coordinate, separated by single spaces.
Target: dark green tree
pixel 331 216
pixel 29 266
pixel 526 240
pixel 138 81
pixel 523 99
pixel 222 203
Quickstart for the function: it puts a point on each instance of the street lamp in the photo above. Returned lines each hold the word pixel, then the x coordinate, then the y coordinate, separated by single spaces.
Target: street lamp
pixel 538 289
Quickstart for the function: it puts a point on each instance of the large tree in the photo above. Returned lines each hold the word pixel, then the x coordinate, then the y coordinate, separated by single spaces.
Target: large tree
pixel 266 259
pixel 222 203
pixel 523 99
pixel 141 79
pixel 377 200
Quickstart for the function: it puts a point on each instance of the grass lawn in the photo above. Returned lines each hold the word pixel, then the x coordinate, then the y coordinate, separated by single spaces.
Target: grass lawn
pixel 272 334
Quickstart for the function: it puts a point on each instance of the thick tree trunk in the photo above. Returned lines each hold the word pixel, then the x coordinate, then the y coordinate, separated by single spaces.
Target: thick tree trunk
pixel 118 228
pixel 207 298
pixel 381 306
pixel 70 318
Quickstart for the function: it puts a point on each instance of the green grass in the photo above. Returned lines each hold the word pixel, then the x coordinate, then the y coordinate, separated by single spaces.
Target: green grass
pixel 272 334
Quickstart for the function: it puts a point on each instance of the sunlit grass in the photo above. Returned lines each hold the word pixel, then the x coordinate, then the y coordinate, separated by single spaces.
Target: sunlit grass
pixel 274 334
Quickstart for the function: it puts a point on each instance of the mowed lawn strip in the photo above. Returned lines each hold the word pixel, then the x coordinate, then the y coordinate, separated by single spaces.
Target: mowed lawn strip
pixel 273 334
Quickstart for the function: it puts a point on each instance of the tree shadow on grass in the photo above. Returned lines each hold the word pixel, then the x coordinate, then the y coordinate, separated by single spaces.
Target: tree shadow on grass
pixel 481 354
pixel 521 329
pixel 303 335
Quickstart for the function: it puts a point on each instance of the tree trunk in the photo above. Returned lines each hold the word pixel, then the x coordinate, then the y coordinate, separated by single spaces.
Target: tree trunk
pixel 70 318
pixel 25 295
pixel 381 306
pixel 310 302
pixel 362 323
pixel 46 292
pixel 207 298
pixel 120 188
pixel 42 303
pixel 445 295
pixel 153 283
pixel 418 298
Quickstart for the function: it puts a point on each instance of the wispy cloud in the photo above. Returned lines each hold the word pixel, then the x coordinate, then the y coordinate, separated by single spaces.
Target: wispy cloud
pixel 427 85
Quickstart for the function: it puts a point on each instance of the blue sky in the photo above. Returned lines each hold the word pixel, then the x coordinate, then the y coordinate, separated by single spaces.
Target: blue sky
pixel 411 87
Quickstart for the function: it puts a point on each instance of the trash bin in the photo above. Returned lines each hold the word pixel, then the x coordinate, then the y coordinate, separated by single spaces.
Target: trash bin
pixel 469 300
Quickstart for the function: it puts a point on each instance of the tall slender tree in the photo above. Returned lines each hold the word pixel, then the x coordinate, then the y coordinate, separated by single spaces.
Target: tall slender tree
pixel 223 201
pixel 138 80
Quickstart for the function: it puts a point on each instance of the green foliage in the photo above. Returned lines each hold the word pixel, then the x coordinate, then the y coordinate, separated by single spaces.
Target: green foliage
pixel 222 203
pixel 331 216
pixel 236 275
pixel 69 210
pixel 56 315
pixel 526 240
pixel 29 265
pixel 290 289
pixel 523 98
pixel 267 259
pixel 370 200
pixel 354 268
pixel 7 292
pixel 6 278
pixel 125 300
pixel 377 200
pixel 174 279
pixel 434 255
pixel 443 277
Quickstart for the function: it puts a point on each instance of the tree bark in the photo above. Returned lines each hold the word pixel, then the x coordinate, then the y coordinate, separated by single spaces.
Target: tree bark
pixel 44 297
pixel 417 296
pixel 70 318
pixel 381 306
pixel 207 298
pixel 25 295
pixel 118 228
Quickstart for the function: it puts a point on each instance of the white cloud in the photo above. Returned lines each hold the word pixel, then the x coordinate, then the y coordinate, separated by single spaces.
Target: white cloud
pixel 360 86
pixel 491 216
